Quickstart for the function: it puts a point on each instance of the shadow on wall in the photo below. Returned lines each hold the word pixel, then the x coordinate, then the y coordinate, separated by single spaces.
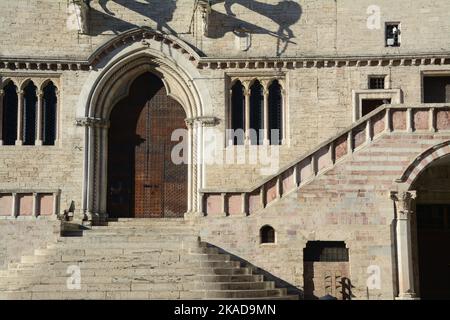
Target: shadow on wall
pixel 159 11
pixel 285 14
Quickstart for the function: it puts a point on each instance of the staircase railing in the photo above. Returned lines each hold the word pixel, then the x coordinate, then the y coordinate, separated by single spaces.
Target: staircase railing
pixel 387 119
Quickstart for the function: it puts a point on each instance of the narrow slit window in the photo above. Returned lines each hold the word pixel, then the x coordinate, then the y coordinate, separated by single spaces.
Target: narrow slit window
pixel 237 113
pixel 29 114
pixel 49 115
pixel 275 113
pixel 10 105
pixel 256 113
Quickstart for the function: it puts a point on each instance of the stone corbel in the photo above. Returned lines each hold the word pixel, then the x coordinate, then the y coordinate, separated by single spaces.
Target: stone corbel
pixel 203 121
pixel 204 7
pixel 83 7
pixel 91 122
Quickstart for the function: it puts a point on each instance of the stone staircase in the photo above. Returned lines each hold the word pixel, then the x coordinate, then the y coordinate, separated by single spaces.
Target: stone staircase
pixel 387 120
pixel 134 259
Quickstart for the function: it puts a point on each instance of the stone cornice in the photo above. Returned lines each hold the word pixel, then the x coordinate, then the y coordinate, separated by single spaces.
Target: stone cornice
pixel 259 63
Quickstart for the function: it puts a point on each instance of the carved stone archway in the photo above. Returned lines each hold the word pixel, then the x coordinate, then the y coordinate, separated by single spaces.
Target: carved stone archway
pixel 110 85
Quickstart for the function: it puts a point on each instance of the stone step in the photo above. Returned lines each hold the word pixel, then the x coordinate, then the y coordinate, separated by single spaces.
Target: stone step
pixel 117 256
pixel 133 271
pixel 155 259
pixel 98 295
pixel 67 251
pixel 149 222
pixel 282 297
pixel 258 285
pixel 93 238
pixel 230 278
pixel 249 294
pixel 162 245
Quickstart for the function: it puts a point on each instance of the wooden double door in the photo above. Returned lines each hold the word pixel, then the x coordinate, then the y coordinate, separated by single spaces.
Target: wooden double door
pixel 143 179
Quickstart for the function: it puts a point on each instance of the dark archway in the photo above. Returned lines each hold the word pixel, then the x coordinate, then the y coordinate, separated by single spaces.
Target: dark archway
pixel 143 181
pixel 431 231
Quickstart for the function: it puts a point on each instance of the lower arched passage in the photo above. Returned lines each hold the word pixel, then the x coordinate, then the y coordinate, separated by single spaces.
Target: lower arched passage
pixel 431 229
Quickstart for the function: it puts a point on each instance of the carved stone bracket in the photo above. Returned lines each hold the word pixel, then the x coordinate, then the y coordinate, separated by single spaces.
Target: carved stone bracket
pixel 84 15
pixel 92 122
pixel 404 202
pixel 204 121
pixel 204 7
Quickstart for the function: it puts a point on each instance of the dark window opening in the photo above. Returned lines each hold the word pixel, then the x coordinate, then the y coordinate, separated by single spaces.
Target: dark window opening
pixel 49 115
pixel 275 113
pixel 10 105
pixel 369 105
pixel 393 35
pixel 29 114
pixel 237 113
pixel 256 113
pixel 377 82
pixel 326 251
pixel 267 234
pixel 436 89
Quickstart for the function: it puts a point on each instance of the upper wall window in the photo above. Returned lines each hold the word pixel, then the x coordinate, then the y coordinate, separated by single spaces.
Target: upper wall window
pixel 436 89
pixel 393 34
pixel 377 82
pixel 28 116
pixel 256 112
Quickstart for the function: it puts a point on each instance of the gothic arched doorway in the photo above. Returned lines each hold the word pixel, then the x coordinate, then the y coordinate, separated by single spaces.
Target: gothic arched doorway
pixel 433 230
pixel 143 181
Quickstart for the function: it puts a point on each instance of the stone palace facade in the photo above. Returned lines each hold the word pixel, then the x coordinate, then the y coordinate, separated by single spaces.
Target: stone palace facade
pixel 308 139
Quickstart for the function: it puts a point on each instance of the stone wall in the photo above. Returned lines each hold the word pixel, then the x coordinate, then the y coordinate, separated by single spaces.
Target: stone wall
pixel 314 27
pixel 22 237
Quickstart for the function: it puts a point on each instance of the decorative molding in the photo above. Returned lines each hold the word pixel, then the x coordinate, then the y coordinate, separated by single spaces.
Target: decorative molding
pixel 205 121
pixel 92 122
pixel 204 7
pixel 404 202
pixel 143 34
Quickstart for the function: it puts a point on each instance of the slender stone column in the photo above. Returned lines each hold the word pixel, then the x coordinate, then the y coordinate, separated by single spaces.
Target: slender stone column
pixel 266 116
pixel 2 93
pixel 39 108
pixel 404 204
pixel 247 93
pixel 19 141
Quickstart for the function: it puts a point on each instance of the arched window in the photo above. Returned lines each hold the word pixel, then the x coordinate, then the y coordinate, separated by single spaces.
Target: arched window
pixel 49 114
pixel 267 234
pixel 29 114
pixel 256 113
pixel 237 113
pixel 9 123
pixel 275 113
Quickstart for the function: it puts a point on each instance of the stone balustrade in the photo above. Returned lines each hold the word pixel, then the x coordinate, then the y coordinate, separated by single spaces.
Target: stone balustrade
pixel 388 119
pixel 28 203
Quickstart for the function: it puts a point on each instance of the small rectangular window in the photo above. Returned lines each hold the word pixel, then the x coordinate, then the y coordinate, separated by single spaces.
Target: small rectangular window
pixel 377 82
pixel 326 251
pixel 392 34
